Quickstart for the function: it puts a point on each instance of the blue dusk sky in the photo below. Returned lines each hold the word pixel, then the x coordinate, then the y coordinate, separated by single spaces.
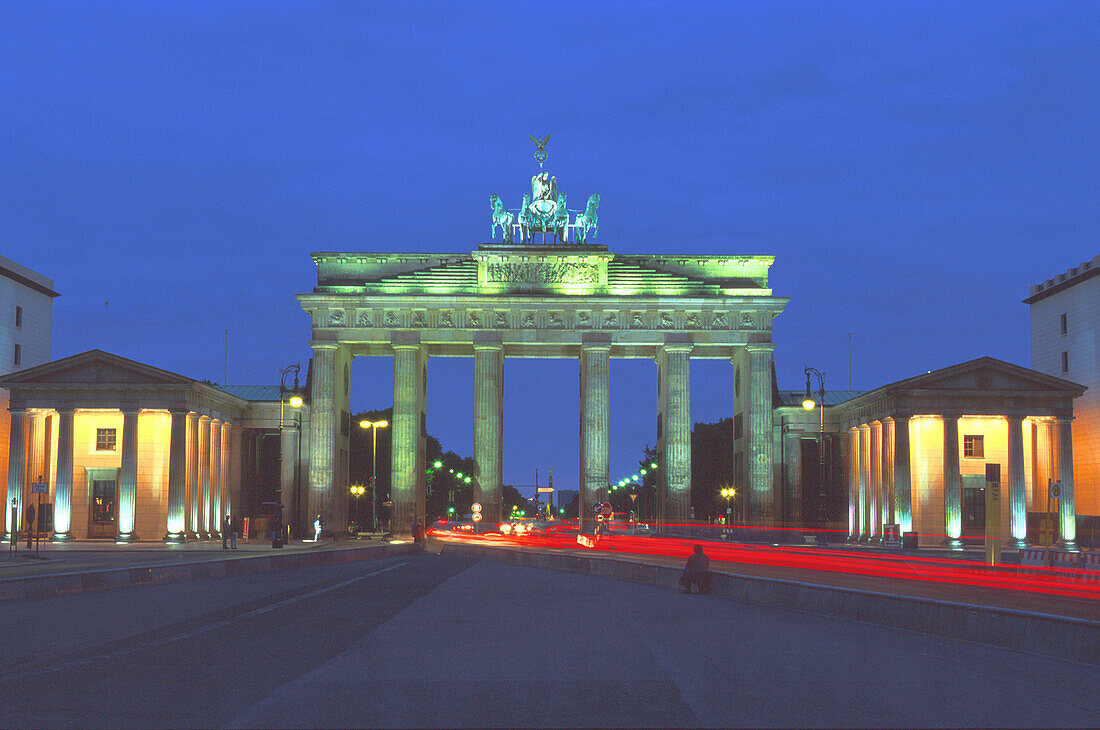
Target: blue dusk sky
pixel 913 167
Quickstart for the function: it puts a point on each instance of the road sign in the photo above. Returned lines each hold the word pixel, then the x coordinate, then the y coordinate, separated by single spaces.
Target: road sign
pixel 891 536
pixel 634 498
pixel 477 517
pixel 605 508
pixel 597 508
pixel 545 489
pixel 40 488
pixel 475 507
pixel 1055 490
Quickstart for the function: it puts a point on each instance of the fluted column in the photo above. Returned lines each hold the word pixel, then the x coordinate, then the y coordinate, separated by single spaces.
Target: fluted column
pixel 127 486
pixel 876 499
pixel 595 469
pixel 902 473
pixel 674 439
pixel 1016 481
pixel 63 485
pixel 16 471
pixel 226 456
pixel 234 495
pixel 177 478
pixel 288 453
pixel 322 433
pixel 761 478
pixel 952 482
pixel 1067 508
pixel 864 483
pixel 407 461
pixel 889 514
pixel 795 471
pixel 193 476
pixel 489 427
pixel 852 444
pixel 216 514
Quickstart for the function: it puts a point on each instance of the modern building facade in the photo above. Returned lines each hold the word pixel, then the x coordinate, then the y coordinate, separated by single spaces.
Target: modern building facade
pixel 128 451
pixel 26 331
pixel 1065 342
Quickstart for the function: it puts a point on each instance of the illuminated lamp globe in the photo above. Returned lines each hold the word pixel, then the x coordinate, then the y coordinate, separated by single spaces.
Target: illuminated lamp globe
pixel 295 401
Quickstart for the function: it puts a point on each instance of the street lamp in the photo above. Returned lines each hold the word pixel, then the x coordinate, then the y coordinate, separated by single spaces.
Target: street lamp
pixel 729 493
pixel 357 490
pixel 808 403
pixel 373 426
pixel 291 397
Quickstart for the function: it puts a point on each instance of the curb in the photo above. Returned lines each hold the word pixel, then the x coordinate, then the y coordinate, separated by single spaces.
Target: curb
pixel 1062 637
pixel 61 584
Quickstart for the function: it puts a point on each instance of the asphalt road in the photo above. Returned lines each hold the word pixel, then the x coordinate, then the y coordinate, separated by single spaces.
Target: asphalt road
pixel 433 640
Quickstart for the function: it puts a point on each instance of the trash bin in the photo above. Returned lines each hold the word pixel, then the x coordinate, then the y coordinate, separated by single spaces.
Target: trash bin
pixel 909 540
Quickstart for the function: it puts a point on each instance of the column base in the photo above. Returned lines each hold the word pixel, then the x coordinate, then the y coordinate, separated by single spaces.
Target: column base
pixel 864 539
pixel 126 537
pixel 953 543
pixel 61 537
pixel 200 535
pixel 215 535
pixel 175 538
pixel 1068 545
pixel 1019 544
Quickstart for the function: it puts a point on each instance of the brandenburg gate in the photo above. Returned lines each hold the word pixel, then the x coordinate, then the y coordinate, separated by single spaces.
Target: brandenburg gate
pixel 553 293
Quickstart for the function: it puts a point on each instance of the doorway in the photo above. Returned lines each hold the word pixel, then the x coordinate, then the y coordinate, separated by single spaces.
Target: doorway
pixel 103 504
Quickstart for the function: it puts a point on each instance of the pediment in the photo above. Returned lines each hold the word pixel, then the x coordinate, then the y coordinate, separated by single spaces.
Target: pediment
pixel 94 367
pixel 988 374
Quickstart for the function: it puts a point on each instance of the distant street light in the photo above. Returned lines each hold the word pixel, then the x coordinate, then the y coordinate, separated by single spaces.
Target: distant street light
pixel 373 426
pixel 808 403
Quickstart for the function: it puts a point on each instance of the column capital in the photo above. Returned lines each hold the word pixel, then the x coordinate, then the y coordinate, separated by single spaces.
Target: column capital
pixel 1064 419
pixel 678 347
pixel 324 345
pixel 760 347
pixel 1018 417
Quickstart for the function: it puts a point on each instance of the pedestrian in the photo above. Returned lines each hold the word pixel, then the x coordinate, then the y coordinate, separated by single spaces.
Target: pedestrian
pixel 696 571
pixel 232 532
pixel 318 526
pixel 227 525
pixel 30 525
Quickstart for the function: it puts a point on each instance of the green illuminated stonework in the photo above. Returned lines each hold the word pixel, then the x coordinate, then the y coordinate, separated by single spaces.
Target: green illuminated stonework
pixel 501 301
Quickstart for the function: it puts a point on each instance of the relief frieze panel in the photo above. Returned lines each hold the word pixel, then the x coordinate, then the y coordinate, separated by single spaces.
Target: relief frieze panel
pixel 542 273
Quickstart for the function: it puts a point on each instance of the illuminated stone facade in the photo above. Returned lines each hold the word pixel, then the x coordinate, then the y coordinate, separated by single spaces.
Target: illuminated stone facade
pixel 580 302
pixel 129 451
pixel 914 453
pixel 1065 329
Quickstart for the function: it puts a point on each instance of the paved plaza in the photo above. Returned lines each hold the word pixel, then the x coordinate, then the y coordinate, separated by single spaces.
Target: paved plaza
pixel 431 640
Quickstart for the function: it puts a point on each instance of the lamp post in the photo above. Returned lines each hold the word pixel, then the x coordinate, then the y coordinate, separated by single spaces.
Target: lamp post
pixel 373 426
pixel 291 397
pixel 357 490
pixel 808 403
pixel 729 493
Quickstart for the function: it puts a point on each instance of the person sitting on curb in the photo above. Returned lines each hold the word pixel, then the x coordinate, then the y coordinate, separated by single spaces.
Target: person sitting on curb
pixel 696 571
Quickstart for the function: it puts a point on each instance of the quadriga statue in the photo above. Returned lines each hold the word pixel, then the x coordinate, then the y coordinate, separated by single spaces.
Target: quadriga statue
pixel 501 218
pixel 588 219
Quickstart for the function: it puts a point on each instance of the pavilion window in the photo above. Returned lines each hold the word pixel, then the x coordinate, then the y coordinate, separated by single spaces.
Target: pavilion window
pixel 105 439
pixel 974 447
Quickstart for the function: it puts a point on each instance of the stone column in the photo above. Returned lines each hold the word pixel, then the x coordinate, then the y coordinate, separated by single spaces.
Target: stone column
pixel 761 477
pixel 889 513
pixel 177 479
pixel 407 461
pixel 952 482
pixel 234 496
pixel 322 434
pixel 127 480
pixel 1016 481
pixel 595 468
pixel 489 426
pixel 1067 508
pixel 216 514
pixel 674 439
pixel 63 486
pixel 193 476
pixel 794 470
pixel 903 476
pixel 17 456
pixel 864 483
pixel 227 430
pixel 852 435
pixel 876 492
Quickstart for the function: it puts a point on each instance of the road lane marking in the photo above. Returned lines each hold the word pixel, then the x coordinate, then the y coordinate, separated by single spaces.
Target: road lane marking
pixel 203 629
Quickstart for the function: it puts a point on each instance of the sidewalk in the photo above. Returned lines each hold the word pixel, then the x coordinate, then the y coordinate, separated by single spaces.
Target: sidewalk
pixel 78 566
